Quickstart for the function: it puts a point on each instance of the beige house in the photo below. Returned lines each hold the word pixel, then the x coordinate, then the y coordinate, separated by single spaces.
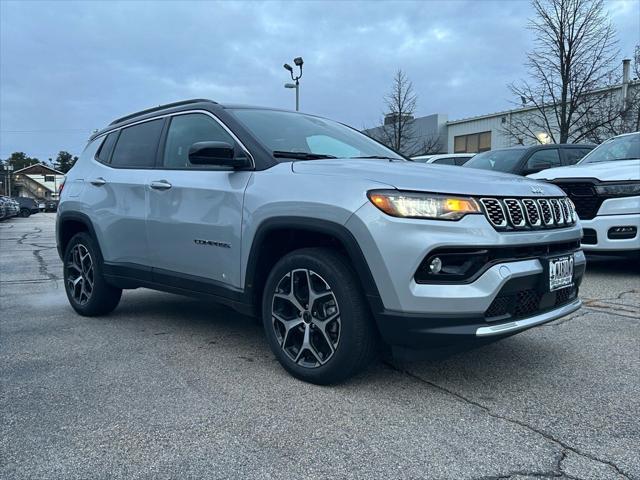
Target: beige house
pixel 37 181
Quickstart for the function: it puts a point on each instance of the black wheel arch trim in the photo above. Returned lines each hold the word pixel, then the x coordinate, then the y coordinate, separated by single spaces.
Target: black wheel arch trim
pixel 76 217
pixel 326 227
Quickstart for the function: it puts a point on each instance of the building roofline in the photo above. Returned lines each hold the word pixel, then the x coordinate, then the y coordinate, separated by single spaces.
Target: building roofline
pixel 57 172
pixel 525 109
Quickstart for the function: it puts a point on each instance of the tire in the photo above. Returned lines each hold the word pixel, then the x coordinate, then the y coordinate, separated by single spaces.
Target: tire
pixel 327 340
pixel 25 212
pixel 88 292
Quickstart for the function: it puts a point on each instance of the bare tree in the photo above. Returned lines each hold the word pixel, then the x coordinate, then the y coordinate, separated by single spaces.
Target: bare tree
pixel 572 63
pixel 398 130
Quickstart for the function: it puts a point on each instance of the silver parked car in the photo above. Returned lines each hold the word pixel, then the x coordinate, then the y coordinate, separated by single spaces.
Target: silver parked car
pixel 335 241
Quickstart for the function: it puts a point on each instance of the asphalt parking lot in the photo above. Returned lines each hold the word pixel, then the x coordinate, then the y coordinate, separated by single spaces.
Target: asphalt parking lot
pixel 171 387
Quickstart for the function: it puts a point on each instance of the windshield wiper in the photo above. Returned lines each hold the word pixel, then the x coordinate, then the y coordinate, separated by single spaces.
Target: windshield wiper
pixel 300 155
pixel 377 156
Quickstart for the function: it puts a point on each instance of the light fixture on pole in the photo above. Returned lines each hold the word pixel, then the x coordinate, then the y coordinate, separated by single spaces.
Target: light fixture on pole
pixel 296 78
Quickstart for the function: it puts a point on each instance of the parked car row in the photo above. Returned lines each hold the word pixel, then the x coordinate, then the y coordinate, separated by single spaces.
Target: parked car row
pixel 8 207
pixel 22 206
pixel 603 183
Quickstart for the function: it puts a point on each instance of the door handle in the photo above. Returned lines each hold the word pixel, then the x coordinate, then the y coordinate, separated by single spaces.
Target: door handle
pixel 160 185
pixel 98 182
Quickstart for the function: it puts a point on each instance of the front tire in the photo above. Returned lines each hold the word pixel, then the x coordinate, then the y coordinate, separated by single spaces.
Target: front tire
pixel 88 292
pixel 25 212
pixel 316 318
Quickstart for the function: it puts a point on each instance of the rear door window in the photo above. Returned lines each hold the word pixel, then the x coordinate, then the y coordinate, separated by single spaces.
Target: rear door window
pixel 137 145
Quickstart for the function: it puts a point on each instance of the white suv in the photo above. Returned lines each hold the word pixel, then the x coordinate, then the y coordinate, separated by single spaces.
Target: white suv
pixel 605 188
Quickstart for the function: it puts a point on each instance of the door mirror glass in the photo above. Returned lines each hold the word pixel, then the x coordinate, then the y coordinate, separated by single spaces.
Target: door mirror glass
pixel 215 153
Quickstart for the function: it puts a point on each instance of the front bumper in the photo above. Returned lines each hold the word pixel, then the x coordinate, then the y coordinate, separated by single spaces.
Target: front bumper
pixel 597 239
pixel 418 315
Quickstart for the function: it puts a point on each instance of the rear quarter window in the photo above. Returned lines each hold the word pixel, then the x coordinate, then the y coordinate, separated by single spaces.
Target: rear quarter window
pixel 106 149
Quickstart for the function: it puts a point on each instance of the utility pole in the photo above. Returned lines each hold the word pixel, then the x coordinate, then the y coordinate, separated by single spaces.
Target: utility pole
pixel 296 78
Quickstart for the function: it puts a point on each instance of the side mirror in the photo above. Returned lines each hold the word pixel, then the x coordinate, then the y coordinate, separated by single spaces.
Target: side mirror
pixel 216 153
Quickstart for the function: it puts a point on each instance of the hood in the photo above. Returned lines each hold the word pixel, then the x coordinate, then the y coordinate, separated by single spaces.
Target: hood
pixel 603 171
pixel 427 177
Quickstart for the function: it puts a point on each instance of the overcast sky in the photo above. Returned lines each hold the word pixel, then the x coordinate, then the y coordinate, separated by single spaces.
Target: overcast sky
pixel 68 68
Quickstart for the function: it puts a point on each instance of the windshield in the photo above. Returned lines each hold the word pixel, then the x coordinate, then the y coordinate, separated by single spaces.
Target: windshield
pixel 497 160
pixel 618 148
pixel 294 135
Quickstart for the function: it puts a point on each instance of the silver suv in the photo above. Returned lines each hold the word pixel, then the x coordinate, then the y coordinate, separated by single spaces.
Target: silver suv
pixel 339 244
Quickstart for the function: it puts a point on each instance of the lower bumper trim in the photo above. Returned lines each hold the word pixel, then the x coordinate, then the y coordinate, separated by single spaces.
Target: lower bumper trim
pixel 529 322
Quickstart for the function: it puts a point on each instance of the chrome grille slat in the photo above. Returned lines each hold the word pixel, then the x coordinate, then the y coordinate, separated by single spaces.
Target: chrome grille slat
pixel 533 214
pixel 516 214
pixel 529 213
pixel 494 212
pixel 557 211
pixel 545 211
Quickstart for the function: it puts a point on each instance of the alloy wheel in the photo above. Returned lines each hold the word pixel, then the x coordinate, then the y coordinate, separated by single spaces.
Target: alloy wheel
pixel 80 274
pixel 306 318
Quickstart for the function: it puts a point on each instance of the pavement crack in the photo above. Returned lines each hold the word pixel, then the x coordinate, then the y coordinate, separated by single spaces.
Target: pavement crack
pixel 547 436
pixel 42 266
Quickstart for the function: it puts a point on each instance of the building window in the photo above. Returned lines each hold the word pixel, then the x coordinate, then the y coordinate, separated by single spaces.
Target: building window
pixel 49 178
pixel 473 143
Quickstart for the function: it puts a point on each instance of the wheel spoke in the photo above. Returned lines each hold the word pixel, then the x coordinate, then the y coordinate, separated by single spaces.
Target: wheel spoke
pixel 292 299
pixel 322 328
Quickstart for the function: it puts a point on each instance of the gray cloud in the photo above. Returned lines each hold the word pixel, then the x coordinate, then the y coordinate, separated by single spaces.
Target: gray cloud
pixel 67 68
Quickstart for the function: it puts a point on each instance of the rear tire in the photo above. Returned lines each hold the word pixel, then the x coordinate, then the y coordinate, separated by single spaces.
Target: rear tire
pixel 25 212
pixel 88 292
pixel 316 318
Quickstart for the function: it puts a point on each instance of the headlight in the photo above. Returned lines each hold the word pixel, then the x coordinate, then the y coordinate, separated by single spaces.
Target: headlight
pixel 619 189
pixel 423 205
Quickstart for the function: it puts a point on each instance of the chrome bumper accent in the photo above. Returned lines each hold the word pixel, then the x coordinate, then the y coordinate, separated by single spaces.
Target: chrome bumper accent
pixel 529 322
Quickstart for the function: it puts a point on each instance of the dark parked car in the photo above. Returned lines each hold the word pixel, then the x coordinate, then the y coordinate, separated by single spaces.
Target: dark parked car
pixel 527 160
pixel 28 206
pixel 51 206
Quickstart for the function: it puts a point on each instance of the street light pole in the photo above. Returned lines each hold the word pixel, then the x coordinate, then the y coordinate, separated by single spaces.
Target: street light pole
pixel 296 78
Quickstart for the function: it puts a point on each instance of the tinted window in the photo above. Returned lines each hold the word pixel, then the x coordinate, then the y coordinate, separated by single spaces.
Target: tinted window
pixel 445 161
pixel 104 154
pixel 498 160
pixel 184 131
pixel 575 154
pixel 544 159
pixel 462 160
pixel 137 145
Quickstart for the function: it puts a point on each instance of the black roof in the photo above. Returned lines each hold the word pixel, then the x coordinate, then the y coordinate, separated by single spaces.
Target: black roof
pixel 160 107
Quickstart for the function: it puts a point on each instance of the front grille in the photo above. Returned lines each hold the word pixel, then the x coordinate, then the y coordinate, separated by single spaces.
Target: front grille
pixel 528 213
pixel 527 302
pixel 585 198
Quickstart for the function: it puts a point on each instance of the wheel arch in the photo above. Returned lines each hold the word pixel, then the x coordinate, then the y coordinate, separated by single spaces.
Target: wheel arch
pixel 275 237
pixel 69 224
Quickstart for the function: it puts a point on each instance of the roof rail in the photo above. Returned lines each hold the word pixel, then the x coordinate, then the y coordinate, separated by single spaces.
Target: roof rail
pixel 160 107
